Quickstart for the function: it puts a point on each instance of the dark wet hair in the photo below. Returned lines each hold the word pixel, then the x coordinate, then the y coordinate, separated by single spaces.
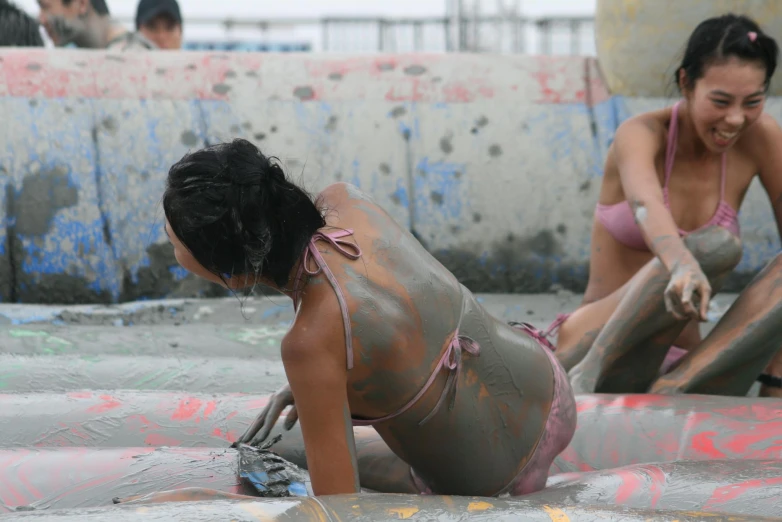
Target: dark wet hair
pixel 238 213
pixel 99 6
pixel 720 38
pixel 17 28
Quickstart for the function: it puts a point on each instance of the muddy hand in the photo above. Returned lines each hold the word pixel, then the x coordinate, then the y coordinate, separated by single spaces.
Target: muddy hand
pixel 688 293
pixel 262 425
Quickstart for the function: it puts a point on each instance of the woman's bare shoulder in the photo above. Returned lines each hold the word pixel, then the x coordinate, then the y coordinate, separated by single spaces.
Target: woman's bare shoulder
pixel 763 136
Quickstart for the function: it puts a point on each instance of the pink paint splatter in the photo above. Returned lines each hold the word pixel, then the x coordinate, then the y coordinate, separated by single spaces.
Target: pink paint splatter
pixel 187 408
pixel 156 439
pixel 109 403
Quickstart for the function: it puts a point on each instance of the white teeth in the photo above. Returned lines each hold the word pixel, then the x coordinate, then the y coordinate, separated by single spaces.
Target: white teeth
pixel 726 135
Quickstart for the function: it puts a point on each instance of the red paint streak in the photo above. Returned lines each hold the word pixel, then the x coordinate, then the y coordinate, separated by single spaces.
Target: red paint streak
pixel 640 401
pixel 755 412
pixel 187 408
pixel 702 443
pixel 732 491
pixel 657 484
pixel 211 406
pixel 741 442
pixel 667 445
pixel 230 436
pixel 458 93
pixel 109 403
pixel 231 415
pixel 631 482
pixel 9 495
pixel 258 404
pixel 87 485
pixel 586 403
pixel 224 77
pixel 22 477
pixel 80 395
pixel 80 434
pixel 486 92
pixel 146 424
pixel 156 439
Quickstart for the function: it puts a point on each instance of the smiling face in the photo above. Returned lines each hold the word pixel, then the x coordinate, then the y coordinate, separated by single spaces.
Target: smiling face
pixel 727 99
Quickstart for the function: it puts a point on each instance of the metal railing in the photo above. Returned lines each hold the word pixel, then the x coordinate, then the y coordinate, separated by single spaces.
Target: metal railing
pixel 496 34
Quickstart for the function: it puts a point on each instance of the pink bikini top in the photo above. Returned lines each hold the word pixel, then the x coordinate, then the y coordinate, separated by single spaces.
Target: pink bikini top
pixel 451 359
pixel 618 218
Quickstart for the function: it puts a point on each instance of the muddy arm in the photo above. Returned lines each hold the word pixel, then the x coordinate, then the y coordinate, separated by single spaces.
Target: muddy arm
pixel 379 468
pixel 739 347
pixel 628 352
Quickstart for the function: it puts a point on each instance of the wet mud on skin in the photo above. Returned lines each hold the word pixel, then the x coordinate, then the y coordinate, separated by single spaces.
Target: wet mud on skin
pixel 630 348
pixel 405 308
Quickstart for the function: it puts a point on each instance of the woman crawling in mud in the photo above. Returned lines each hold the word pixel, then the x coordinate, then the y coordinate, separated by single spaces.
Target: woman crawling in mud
pixel 383 336
pixel 666 233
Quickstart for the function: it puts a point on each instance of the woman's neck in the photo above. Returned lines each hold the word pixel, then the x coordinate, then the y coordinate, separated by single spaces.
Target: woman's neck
pixel 688 143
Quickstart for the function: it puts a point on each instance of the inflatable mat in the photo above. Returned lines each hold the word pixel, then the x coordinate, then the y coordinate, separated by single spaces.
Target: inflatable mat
pixel 633 457
pixel 613 430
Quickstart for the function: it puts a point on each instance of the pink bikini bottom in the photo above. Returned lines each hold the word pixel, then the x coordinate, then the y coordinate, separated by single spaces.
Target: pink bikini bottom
pixel 557 433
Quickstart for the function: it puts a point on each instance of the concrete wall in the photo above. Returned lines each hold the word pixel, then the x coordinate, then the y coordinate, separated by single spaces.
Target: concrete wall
pixel 494 161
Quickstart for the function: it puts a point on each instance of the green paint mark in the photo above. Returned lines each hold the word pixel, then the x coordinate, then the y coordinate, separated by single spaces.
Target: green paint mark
pixel 10 371
pixel 149 378
pixel 57 344
pixel 268 335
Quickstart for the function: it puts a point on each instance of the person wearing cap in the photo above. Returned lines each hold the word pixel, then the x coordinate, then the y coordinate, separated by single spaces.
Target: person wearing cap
pixel 87 24
pixel 160 21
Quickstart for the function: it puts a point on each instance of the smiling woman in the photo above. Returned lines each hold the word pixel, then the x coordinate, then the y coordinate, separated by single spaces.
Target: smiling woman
pixel 666 231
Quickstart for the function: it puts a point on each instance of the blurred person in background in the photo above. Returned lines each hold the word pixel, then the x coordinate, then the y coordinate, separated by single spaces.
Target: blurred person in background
pixel 87 24
pixel 17 28
pixel 160 21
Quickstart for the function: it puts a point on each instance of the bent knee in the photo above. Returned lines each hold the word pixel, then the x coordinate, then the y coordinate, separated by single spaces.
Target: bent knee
pixel 717 250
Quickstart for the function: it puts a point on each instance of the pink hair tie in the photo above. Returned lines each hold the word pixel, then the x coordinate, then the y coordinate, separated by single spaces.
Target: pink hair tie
pixel 753 36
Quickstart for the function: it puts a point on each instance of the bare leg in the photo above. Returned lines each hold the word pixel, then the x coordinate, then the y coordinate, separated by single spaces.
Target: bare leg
pixel 628 352
pixel 773 369
pixel 379 468
pixel 739 347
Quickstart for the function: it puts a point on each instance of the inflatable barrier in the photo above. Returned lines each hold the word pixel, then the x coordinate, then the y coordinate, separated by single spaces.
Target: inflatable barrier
pixel 378 508
pixel 48 480
pixel 645 452
pixel 613 430
pixel 430 137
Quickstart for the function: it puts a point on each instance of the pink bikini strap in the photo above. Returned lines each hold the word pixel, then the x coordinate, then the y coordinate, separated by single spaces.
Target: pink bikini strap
pixel 450 360
pixel 670 151
pixel 347 249
pixel 554 326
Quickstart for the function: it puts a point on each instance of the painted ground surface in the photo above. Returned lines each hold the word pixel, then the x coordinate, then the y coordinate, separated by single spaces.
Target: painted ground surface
pixel 98 402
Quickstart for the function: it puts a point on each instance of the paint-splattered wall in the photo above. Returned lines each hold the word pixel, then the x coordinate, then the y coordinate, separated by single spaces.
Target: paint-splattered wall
pixel 494 161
